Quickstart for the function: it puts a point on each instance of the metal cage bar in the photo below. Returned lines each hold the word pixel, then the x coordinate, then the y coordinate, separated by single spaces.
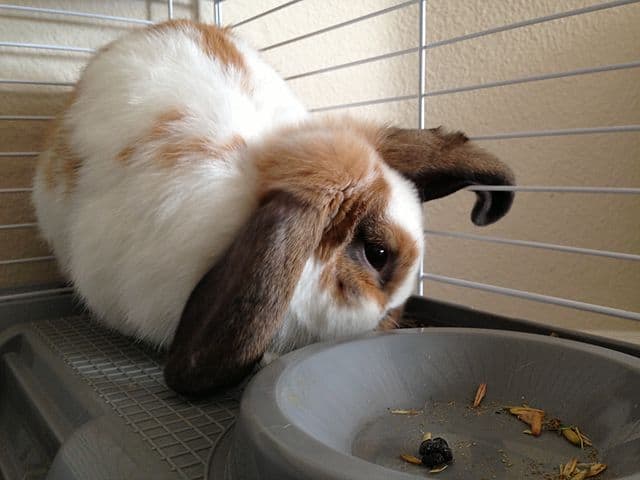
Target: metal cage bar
pixel 422 86
pixel 536 297
pixel 266 12
pixel 340 25
pixel 15 261
pixel 540 245
pixel 72 13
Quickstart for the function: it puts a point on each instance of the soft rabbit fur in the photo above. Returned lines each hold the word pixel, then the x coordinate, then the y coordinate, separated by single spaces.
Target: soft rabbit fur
pixel 194 203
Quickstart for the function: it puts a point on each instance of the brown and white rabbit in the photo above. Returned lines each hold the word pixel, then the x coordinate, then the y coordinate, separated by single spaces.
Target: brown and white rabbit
pixel 195 204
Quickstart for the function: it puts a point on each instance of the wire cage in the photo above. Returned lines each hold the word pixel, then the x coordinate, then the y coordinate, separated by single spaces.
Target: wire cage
pixel 553 88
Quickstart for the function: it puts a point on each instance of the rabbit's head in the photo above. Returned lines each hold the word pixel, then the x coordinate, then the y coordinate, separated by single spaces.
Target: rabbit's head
pixel 333 246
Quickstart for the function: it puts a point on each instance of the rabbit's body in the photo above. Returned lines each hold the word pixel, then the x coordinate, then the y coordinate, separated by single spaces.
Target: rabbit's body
pixel 193 202
pixel 137 229
pixel 163 129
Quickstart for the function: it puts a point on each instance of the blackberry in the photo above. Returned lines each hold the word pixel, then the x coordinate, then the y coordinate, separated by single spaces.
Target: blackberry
pixel 435 452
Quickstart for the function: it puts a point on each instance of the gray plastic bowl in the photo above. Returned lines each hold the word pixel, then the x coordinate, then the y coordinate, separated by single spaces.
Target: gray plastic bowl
pixel 323 412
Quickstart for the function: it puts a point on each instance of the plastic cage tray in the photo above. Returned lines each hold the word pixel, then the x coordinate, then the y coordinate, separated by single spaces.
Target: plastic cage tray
pixel 78 401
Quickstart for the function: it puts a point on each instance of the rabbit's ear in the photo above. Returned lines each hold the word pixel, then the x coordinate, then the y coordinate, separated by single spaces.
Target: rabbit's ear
pixel 238 305
pixel 441 163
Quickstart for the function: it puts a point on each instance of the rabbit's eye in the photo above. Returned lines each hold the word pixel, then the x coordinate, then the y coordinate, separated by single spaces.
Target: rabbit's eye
pixel 377 255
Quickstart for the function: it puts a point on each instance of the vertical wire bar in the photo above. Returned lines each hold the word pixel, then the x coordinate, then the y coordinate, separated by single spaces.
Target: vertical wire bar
pixel 170 9
pixel 422 79
pixel 217 19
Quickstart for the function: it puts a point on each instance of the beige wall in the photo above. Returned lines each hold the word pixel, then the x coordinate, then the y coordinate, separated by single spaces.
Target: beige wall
pixel 613 98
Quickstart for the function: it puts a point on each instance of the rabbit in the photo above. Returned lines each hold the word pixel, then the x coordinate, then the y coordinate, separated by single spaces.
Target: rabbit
pixel 195 204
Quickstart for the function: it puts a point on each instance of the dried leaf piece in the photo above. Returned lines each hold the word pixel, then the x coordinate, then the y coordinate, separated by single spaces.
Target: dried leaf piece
pixel 575 436
pixel 480 393
pixel 439 469
pixel 567 469
pixel 579 475
pixel 596 469
pixel 523 409
pixel 410 459
pixel 531 416
pixel 408 411
pixel 553 424
pixel 586 440
pixel 426 436
pixel 571 435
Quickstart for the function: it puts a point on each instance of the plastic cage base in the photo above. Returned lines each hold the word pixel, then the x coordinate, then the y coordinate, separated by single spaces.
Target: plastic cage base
pixel 78 401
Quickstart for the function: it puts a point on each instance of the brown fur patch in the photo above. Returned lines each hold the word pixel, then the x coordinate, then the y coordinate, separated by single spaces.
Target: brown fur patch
pixel 216 42
pixel 236 308
pixel 392 320
pixel 125 154
pixel 170 145
pixel 441 163
pixel 406 254
pixel 62 165
pixel 349 279
pixel 160 131
pixel 348 282
pixel 71 163
pixel 320 163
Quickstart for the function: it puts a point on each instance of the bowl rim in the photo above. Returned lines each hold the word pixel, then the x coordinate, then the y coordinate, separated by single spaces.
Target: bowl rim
pixel 279 436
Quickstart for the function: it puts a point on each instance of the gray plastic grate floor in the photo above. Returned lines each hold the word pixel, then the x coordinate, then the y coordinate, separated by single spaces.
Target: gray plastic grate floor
pixel 128 377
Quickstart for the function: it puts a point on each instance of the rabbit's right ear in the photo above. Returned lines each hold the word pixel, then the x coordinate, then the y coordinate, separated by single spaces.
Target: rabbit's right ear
pixel 441 163
pixel 238 305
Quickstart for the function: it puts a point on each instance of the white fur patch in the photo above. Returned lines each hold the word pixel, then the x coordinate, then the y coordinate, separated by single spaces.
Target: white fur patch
pixel 314 315
pixel 136 238
pixel 405 209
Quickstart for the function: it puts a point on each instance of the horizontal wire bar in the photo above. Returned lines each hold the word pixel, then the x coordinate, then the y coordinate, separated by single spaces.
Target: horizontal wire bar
pixel 482 33
pixel 555 189
pixel 479 86
pixel 27 260
pixel 532 21
pixel 26 117
pixel 266 12
pixel 19 154
pixel 340 25
pixel 498 136
pixel 540 245
pixel 35 82
pixel 407 51
pixel 447 91
pixel 72 13
pixel 332 68
pixel 42 46
pixel 398 98
pixel 35 293
pixel 12 226
pixel 15 190
pixel 536 297
pixel 558 132
pixel 536 78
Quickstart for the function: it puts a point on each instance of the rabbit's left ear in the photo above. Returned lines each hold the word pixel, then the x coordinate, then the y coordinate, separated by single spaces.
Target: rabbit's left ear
pixel 235 310
pixel 441 163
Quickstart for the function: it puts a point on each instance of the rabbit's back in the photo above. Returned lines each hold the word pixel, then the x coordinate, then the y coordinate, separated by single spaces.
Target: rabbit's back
pixel 144 182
